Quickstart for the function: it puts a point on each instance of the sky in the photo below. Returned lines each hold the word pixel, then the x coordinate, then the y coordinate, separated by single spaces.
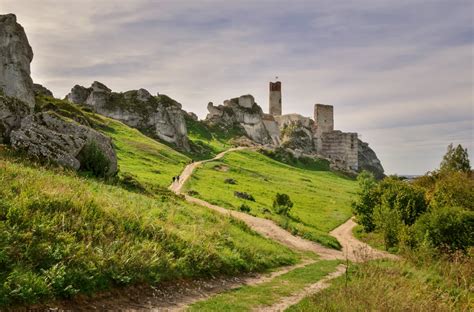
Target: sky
pixel 400 73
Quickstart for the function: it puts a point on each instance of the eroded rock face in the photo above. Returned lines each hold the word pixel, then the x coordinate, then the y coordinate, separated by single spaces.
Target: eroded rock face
pixel 243 112
pixel 41 90
pixel 368 160
pixel 12 111
pixel 159 116
pixel 49 136
pixel 15 58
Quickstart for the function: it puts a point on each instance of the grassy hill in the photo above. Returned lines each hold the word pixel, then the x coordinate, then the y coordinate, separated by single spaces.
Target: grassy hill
pixel 63 233
pixel 208 141
pixel 322 199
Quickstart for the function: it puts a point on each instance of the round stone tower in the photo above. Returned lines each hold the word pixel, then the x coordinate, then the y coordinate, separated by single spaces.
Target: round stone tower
pixel 275 98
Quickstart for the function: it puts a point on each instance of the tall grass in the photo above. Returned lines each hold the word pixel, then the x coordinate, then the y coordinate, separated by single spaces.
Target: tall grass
pixel 61 234
pixel 423 285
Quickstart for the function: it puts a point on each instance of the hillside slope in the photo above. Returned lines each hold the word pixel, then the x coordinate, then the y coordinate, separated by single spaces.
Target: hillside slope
pixel 322 199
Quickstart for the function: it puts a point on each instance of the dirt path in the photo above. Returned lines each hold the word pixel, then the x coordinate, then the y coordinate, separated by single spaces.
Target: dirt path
pixel 354 249
pixel 308 291
pixel 178 295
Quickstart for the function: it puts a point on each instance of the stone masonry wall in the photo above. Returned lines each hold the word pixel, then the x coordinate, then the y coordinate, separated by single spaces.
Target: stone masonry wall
pixel 342 147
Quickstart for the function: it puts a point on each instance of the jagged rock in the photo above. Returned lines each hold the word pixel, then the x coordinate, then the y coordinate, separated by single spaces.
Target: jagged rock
pixel 368 160
pixel 296 136
pixel 41 90
pixel 193 116
pixel 78 94
pixel 12 111
pixel 47 135
pixel 15 58
pixel 242 112
pixel 159 116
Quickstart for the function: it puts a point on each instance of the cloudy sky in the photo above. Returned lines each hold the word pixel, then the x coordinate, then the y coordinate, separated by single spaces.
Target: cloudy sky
pixel 400 73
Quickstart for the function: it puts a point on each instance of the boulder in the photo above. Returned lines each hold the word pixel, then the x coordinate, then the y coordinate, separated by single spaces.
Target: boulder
pixel 159 117
pixel 40 90
pixel 47 135
pixel 12 111
pixel 368 160
pixel 15 58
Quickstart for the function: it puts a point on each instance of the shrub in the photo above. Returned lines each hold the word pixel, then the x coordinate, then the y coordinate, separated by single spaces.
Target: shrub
pixel 282 204
pixel 455 159
pixel 454 189
pixel 230 181
pixel 244 195
pixel 407 200
pixel 368 198
pixel 447 227
pixel 245 208
pixel 93 160
pixel 388 222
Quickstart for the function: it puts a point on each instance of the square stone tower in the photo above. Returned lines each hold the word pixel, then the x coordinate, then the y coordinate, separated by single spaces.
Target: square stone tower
pixel 324 117
pixel 275 98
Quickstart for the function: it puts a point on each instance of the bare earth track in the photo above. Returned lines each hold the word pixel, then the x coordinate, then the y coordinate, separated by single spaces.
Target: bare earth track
pixel 178 295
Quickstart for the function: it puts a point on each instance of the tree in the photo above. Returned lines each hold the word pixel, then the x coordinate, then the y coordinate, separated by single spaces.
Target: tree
pixel 282 204
pixel 455 159
pixel 368 198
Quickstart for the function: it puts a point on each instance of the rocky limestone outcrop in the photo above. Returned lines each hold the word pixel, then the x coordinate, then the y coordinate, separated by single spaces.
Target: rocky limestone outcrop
pixel 47 135
pixel 296 133
pixel 41 90
pixel 15 58
pixel 12 111
pixel 157 116
pixel 368 160
pixel 245 113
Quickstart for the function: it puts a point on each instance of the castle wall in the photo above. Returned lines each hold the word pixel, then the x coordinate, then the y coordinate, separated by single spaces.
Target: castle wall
pixel 275 98
pixel 324 117
pixel 341 147
pixel 294 118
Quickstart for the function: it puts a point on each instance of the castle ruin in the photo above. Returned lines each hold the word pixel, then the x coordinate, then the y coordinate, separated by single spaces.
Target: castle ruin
pixel 340 147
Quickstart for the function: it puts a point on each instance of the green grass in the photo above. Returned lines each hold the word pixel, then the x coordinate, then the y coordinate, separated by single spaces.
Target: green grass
pixel 322 199
pixel 373 239
pixel 208 141
pixel 397 286
pixel 62 234
pixel 249 298
pixel 149 161
pixel 146 160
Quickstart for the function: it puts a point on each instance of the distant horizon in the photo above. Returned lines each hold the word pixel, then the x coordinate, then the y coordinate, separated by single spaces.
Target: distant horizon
pixel 398 74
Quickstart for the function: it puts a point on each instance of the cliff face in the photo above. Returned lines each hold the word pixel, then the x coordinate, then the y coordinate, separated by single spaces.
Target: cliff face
pixel 368 160
pixel 245 113
pixel 16 56
pixel 158 116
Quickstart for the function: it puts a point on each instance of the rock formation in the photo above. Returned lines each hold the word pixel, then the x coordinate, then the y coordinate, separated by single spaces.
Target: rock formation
pixel 245 113
pixel 47 135
pixel 158 116
pixel 12 111
pixel 16 56
pixel 40 90
pixel 368 160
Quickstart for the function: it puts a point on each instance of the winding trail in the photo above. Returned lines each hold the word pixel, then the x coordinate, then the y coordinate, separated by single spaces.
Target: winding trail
pixel 352 249
pixel 180 294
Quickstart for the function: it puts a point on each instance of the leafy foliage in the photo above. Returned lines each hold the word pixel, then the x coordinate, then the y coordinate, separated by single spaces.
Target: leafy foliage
pixel 93 160
pixel 282 204
pixel 366 201
pixel 455 159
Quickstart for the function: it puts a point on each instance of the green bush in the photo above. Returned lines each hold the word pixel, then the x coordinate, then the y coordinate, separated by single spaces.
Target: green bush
pixel 449 228
pixel 282 204
pixel 454 189
pixel 408 201
pixel 94 161
pixel 368 198
pixel 245 208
